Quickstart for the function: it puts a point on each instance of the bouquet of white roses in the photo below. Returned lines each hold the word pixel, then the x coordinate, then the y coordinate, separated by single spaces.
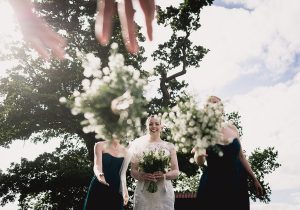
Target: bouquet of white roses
pixel 152 161
pixel 191 126
pixel 111 99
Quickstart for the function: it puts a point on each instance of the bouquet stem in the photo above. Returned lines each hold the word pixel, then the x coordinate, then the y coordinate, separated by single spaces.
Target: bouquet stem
pixel 152 188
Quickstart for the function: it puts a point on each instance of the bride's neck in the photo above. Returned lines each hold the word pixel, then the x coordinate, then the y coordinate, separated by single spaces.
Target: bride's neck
pixel 154 137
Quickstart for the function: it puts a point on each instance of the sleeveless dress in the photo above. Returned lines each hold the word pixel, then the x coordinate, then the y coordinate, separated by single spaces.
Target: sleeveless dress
pixel 223 184
pixel 164 197
pixel 100 196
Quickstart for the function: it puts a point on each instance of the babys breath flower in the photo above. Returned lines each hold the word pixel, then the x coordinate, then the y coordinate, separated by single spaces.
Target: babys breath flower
pixel 106 79
pixel 91 64
pixel 202 128
pixel 63 100
pixel 101 88
pixel 95 85
pixel 136 75
pixel 97 73
pixel 76 93
pixel 114 46
pixel 89 115
pixel 106 71
pixel 116 61
pixel 75 111
pixel 86 84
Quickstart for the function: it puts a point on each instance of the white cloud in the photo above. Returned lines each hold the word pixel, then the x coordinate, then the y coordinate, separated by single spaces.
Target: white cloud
pixel 262 41
pixel 270 117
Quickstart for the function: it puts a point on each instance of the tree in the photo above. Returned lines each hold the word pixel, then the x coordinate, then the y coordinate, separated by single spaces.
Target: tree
pixel 32 88
pixel 57 180
pixel 31 109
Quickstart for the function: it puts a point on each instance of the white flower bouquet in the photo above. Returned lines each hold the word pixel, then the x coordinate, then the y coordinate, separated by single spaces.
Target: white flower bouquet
pixel 111 99
pixel 152 161
pixel 191 126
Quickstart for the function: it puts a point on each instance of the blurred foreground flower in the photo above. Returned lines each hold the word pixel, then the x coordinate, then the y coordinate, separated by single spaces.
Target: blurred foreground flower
pixel 111 99
pixel 191 126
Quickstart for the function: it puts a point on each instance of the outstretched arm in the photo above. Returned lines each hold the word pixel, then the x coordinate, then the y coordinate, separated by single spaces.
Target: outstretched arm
pixel 36 31
pixel 245 163
pixel 98 169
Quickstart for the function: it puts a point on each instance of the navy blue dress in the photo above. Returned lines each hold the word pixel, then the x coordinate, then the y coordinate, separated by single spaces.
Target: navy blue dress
pixel 223 184
pixel 103 197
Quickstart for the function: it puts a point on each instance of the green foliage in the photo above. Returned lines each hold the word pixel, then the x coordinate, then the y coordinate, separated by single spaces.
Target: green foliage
pixel 57 180
pixel 31 108
pixel 178 54
pixel 153 161
pixel 235 118
pixel 185 183
pixel 32 88
pixel 263 162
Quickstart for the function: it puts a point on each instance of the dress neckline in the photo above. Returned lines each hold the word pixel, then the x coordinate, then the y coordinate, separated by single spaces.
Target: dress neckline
pixel 103 153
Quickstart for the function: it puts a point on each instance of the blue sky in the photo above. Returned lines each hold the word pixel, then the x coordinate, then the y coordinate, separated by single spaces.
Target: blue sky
pixel 254 65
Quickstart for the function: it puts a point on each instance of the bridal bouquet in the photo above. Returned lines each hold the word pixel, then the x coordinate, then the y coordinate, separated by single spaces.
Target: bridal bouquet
pixel 191 126
pixel 111 99
pixel 152 161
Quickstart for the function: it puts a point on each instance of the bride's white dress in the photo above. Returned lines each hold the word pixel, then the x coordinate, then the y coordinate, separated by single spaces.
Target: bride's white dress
pixel 163 198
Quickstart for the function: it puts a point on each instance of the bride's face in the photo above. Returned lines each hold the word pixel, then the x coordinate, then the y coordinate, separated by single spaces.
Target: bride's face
pixel 154 125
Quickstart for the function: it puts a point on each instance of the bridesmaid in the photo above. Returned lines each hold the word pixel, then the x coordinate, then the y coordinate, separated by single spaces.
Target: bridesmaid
pixel 108 188
pixel 223 184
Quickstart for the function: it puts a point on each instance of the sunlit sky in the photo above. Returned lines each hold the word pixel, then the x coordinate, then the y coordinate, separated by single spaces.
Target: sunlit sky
pixel 253 64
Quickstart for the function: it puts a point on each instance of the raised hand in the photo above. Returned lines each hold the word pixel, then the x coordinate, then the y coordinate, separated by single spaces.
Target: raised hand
pixel 106 10
pixel 36 32
pixel 47 42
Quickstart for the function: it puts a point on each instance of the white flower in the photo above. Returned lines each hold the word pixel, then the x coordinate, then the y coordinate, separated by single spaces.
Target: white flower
pixel 75 111
pixel 91 64
pixel 63 100
pixel 97 73
pixel 136 75
pixel 86 84
pixel 76 93
pixel 88 115
pixel 114 46
pixel 106 79
pixel 106 71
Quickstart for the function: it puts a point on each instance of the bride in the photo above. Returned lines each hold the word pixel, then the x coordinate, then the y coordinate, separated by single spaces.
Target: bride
pixel 163 198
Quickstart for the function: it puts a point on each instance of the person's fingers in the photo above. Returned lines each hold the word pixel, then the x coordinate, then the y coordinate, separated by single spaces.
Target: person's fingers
pixel 148 7
pixel 126 14
pixel 103 23
pixel 56 44
pixel 39 47
pixel 42 38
